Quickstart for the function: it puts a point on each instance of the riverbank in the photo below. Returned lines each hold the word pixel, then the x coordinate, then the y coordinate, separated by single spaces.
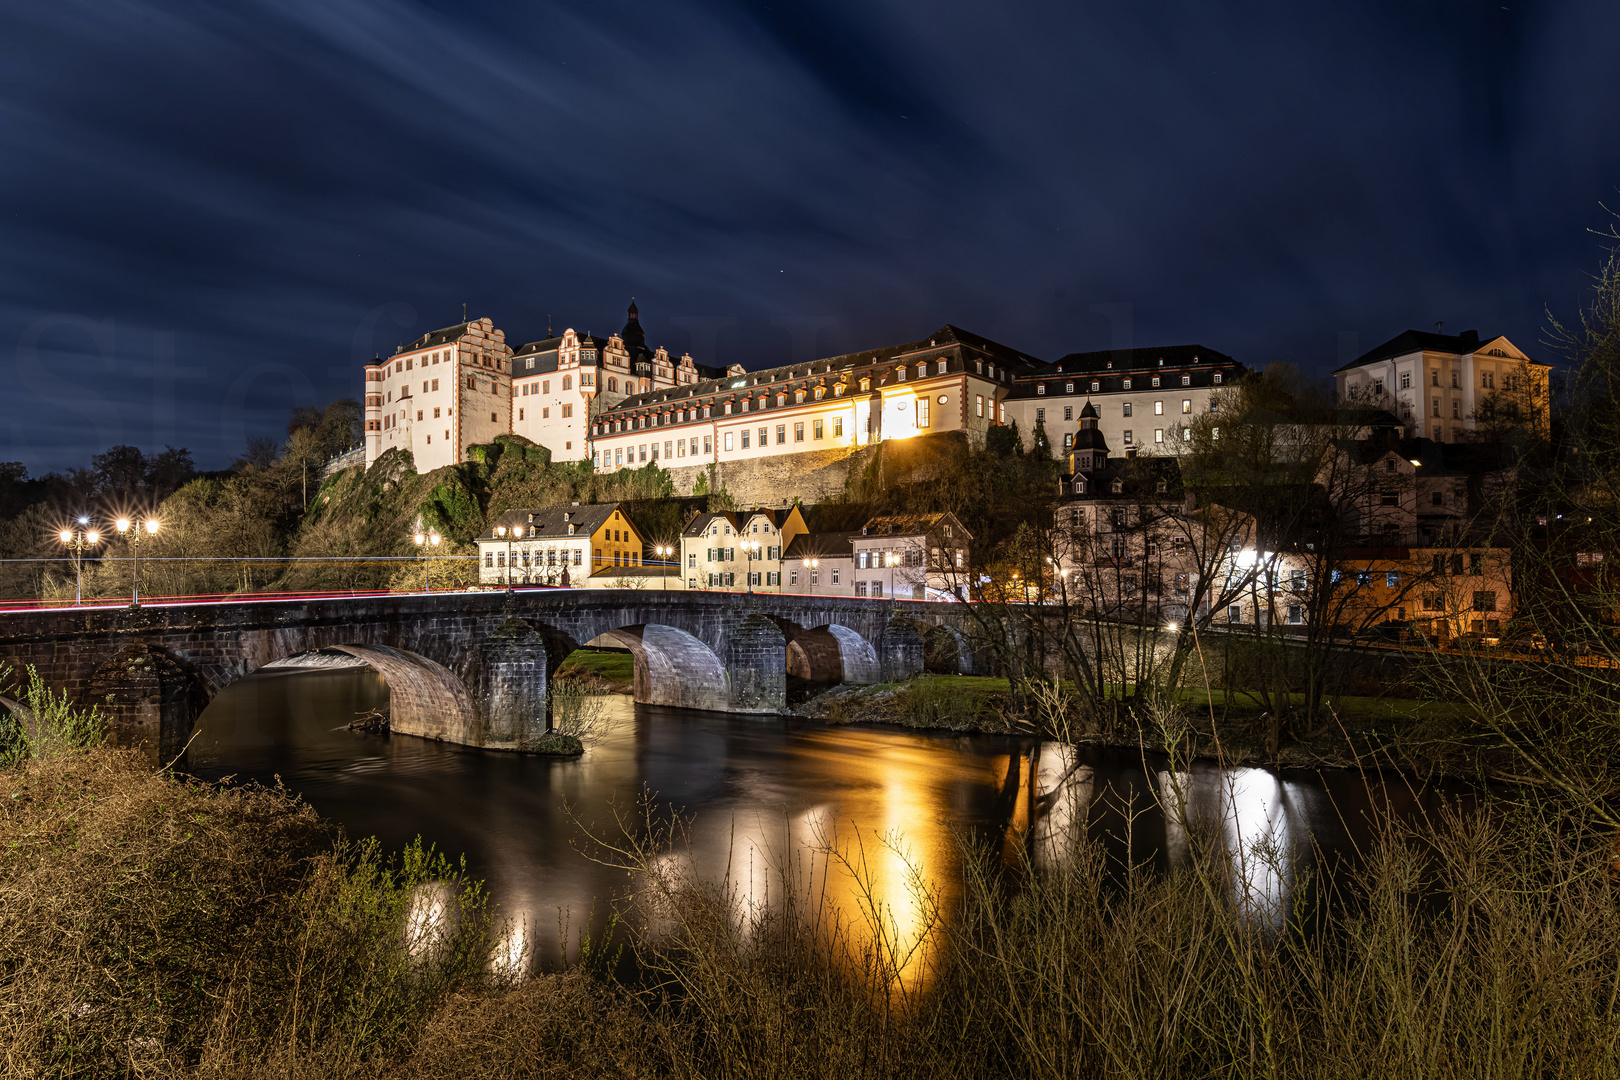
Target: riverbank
pixel 1422 737
pixel 156 926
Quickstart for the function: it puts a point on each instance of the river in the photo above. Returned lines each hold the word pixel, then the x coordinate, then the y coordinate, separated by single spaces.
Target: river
pixel 759 793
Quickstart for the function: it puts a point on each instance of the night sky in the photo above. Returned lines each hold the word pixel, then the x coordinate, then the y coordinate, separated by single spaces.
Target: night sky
pixel 210 212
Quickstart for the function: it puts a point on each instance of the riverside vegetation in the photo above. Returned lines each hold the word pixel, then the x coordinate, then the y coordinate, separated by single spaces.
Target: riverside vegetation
pixel 151 925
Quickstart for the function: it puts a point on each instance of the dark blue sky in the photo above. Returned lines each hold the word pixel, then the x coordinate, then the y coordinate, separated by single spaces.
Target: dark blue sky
pixel 211 212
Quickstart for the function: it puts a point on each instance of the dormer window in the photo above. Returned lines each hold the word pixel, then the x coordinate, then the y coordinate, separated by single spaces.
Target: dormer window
pixel 1127 382
pixel 1118 486
pixel 866 385
pixel 1186 380
pixel 1218 378
pixel 1095 386
pixel 1040 389
pixel 900 374
pixel 1079 486
pixel 1156 378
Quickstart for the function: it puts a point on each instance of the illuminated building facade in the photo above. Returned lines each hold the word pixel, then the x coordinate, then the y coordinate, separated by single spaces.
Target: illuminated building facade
pixel 952 382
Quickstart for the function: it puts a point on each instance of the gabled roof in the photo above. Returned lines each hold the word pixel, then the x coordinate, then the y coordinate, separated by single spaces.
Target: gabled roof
pixel 777 516
pixel 699 525
pixel 1122 360
pixel 438 337
pixel 910 525
pixel 551 522
pixel 1413 341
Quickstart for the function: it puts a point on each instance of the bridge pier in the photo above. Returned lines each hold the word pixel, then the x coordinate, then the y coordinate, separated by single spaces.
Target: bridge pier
pixel 150 701
pixel 756 666
pixel 509 687
pixel 900 652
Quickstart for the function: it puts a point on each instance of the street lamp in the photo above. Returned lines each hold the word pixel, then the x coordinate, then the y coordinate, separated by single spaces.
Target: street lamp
pixel 506 534
pixel 812 565
pixel 149 528
pixel 664 551
pixel 77 539
pixel 427 542
pixel 750 548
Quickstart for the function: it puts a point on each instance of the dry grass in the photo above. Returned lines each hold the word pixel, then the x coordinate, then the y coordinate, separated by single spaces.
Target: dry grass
pixel 151 926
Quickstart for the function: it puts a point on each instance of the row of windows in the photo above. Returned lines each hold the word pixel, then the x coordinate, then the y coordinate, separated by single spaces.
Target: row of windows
pixel 552 557
pixel 545 412
pixel 1096 385
pixel 587 380
pixel 1126 409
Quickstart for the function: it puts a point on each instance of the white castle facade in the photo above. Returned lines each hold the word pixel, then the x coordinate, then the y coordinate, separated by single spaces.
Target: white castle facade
pixel 617 403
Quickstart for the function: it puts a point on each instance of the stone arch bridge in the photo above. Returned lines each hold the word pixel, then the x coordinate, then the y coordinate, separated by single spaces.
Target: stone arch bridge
pixel 472 668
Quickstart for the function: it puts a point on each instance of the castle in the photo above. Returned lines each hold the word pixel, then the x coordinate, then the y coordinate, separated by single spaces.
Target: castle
pixel 792 430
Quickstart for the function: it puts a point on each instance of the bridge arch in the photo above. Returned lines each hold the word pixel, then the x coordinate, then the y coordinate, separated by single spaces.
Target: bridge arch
pixel 672 667
pixel 425 698
pixel 827 654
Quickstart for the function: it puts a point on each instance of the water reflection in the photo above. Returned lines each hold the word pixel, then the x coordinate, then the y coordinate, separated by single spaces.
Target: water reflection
pixel 865 824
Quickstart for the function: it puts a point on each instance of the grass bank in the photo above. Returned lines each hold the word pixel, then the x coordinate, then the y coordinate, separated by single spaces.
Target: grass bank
pixel 1429 737
pixel 606 671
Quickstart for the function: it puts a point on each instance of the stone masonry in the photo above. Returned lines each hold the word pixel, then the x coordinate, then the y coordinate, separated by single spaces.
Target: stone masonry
pixel 469 668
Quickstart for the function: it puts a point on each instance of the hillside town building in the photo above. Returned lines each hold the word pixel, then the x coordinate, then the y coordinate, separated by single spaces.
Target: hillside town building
pixel 1145 400
pixel 1444 386
pixel 952 382
pixel 446 391
pixel 739 550
pixel 559 545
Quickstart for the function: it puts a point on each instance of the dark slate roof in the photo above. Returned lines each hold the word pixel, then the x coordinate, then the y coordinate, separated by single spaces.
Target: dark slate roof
pixel 1420 341
pixel 1133 471
pixel 550 344
pixel 551 522
pixel 908 525
pixel 699 525
pixel 826 545
pixel 437 337
pixel 942 339
pixel 1122 360
pixel 1089 438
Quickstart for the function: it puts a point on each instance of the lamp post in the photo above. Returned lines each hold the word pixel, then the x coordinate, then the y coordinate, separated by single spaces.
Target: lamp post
pixel 664 551
pixel 750 548
pixel 506 534
pixel 427 542
pixel 812 565
pixel 149 528
pixel 77 539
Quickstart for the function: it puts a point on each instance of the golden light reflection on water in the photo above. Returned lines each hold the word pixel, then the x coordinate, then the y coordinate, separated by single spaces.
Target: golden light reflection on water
pixel 879 870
